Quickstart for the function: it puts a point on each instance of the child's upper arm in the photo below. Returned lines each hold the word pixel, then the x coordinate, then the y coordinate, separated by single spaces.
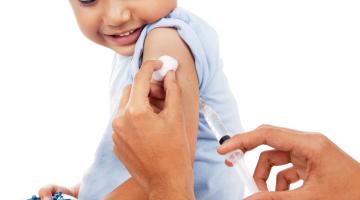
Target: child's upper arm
pixel 166 41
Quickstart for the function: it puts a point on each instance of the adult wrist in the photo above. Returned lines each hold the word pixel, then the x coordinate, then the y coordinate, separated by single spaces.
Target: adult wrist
pixel 178 187
pixel 174 193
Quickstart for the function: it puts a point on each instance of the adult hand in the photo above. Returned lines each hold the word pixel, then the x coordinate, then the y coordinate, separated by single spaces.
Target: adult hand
pixel 153 145
pixel 327 171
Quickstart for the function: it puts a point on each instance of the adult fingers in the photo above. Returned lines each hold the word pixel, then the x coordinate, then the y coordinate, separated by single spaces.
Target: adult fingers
pixel 267 160
pixel 141 86
pixel 157 91
pixel 156 104
pixel 285 178
pixel 173 103
pixel 277 137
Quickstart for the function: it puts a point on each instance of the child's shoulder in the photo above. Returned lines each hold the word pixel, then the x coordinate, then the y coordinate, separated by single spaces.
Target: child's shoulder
pixel 164 40
pixel 185 37
pixel 167 41
pixel 180 29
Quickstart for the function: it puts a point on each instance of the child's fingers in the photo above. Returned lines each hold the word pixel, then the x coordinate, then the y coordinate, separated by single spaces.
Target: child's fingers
pixel 48 191
pixel 45 195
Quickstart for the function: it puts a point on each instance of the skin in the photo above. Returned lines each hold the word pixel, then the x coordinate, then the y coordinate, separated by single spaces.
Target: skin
pixel 327 171
pixel 47 191
pixel 101 18
pixel 161 153
pixel 314 157
pixel 188 83
pixel 106 17
pixel 145 153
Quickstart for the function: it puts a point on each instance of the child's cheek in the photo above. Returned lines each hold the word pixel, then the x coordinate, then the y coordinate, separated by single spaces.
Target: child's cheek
pixel 92 33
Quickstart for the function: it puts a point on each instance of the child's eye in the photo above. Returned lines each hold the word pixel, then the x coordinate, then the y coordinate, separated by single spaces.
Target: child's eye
pixel 87 2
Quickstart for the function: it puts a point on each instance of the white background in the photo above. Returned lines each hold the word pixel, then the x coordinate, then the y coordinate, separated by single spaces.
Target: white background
pixel 289 63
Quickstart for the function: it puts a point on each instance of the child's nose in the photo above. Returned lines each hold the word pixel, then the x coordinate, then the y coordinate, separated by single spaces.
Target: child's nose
pixel 116 13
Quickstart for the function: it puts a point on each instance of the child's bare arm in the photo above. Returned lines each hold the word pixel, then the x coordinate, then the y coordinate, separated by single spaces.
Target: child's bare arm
pixel 161 41
pixel 166 41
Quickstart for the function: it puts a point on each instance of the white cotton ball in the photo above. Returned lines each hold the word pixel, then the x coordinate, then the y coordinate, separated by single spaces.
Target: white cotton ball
pixel 169 63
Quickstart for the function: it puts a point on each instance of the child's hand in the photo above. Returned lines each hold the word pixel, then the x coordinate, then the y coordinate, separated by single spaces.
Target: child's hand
pixel 48 191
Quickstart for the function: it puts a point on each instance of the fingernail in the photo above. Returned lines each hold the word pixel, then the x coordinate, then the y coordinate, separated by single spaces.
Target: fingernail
pixel 220 150
pixel 46 198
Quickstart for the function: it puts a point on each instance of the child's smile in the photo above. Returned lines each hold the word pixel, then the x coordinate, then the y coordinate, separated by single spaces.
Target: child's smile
pixel 117 24
pixel 123 38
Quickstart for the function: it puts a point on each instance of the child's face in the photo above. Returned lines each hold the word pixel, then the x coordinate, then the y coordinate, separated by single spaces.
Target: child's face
pixel 117 24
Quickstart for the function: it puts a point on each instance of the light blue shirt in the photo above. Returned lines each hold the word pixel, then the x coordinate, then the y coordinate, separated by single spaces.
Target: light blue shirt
pixel 213 180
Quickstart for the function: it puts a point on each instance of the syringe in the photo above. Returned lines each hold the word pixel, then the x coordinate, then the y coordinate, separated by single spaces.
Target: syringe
pixel 235 157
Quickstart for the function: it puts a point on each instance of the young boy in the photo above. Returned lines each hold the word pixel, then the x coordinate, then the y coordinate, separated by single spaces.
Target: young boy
pixel 140 30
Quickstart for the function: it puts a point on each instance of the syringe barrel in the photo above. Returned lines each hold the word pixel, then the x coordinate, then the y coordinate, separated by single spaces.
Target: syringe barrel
pixel 237 159
pixel 237 156
pixel 214 121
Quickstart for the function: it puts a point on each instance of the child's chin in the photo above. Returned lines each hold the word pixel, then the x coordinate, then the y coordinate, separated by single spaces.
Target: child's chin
pixel 125 51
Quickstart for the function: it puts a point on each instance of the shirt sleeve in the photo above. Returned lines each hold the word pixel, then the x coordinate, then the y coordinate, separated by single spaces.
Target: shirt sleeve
pixel 205 54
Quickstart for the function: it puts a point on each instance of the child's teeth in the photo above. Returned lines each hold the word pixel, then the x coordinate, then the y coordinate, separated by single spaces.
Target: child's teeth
pixel 127 33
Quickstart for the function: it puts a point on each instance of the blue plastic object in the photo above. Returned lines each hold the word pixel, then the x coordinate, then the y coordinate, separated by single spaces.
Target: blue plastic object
pixel 57 196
